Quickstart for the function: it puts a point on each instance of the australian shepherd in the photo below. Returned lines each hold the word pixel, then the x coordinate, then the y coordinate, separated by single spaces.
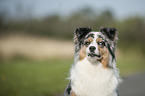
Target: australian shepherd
pixel 94 71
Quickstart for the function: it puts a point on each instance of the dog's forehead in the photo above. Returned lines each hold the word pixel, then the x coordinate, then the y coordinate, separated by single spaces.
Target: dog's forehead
pixel 94 35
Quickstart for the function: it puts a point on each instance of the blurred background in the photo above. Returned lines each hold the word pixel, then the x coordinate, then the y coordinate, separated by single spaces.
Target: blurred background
pixel 36 41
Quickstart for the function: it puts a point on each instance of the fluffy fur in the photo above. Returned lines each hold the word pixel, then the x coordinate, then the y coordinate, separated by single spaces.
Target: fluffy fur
pixel 91 79
pixel 94 72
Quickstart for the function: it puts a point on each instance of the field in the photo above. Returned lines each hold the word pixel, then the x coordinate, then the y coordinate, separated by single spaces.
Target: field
pixel 33 78
pixel 27 76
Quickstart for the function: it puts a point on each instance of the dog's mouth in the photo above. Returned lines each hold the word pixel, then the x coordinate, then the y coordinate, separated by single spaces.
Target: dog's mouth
pixel 94 55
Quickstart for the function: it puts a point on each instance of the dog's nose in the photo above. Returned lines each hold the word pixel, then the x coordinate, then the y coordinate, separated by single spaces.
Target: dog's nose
pixel 92 48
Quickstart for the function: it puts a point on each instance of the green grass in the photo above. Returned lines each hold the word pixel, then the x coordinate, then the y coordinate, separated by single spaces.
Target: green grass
pixel 33 78
pixel 24 77
pixel 131 62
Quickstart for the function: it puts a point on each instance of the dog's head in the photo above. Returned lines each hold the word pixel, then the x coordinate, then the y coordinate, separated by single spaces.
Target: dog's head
pixel 96 46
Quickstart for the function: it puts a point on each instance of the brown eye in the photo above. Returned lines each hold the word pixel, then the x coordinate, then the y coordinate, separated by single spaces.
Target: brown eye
pixel 87 43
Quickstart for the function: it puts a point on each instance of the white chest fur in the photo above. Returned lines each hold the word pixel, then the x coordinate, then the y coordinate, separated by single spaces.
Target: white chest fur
pixel 93 80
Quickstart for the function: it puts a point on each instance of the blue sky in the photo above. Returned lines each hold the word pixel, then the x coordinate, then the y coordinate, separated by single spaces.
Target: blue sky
pixel 39 8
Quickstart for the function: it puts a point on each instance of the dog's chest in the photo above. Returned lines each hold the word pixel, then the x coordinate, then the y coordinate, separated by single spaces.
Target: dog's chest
pixel 93 80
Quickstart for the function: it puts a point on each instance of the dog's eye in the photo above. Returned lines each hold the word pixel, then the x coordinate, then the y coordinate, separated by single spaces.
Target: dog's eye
pixel 101 44
pixel 87 43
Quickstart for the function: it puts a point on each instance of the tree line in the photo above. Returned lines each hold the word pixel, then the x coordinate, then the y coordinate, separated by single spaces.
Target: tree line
pixel 131 30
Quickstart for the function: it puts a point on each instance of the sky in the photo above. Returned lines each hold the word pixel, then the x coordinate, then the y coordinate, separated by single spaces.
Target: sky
pixel 40 8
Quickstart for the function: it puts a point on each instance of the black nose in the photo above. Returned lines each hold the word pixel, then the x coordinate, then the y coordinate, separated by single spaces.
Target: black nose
pixel 92 48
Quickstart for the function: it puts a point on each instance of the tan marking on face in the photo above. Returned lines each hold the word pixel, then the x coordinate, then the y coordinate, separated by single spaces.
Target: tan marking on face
pixel 99 40
pixel 90 39
pixel 72 93
pixel 104 52
pixel 82 53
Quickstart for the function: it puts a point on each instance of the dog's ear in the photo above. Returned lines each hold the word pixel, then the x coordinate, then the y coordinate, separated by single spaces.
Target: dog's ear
pixel 111 33
pixel 80 33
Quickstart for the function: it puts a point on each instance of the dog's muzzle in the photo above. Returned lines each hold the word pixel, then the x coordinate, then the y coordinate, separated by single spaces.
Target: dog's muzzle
pixel 94 55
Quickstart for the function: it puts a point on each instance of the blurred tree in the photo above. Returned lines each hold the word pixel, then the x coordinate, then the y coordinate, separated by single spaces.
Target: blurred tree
pixel 131 30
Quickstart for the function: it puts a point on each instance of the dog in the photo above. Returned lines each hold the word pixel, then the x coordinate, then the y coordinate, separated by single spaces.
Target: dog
pixel 94 71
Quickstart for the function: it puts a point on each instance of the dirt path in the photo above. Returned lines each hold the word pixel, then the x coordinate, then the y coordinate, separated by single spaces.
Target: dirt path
pixel 34 47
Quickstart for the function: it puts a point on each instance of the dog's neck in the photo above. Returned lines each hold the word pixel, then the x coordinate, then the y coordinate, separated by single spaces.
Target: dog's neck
pixel 86 74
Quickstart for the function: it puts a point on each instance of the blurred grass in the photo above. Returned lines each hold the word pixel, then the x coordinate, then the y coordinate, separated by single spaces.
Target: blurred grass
pixel 131 61
pixel 24 77
pixel 33 78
